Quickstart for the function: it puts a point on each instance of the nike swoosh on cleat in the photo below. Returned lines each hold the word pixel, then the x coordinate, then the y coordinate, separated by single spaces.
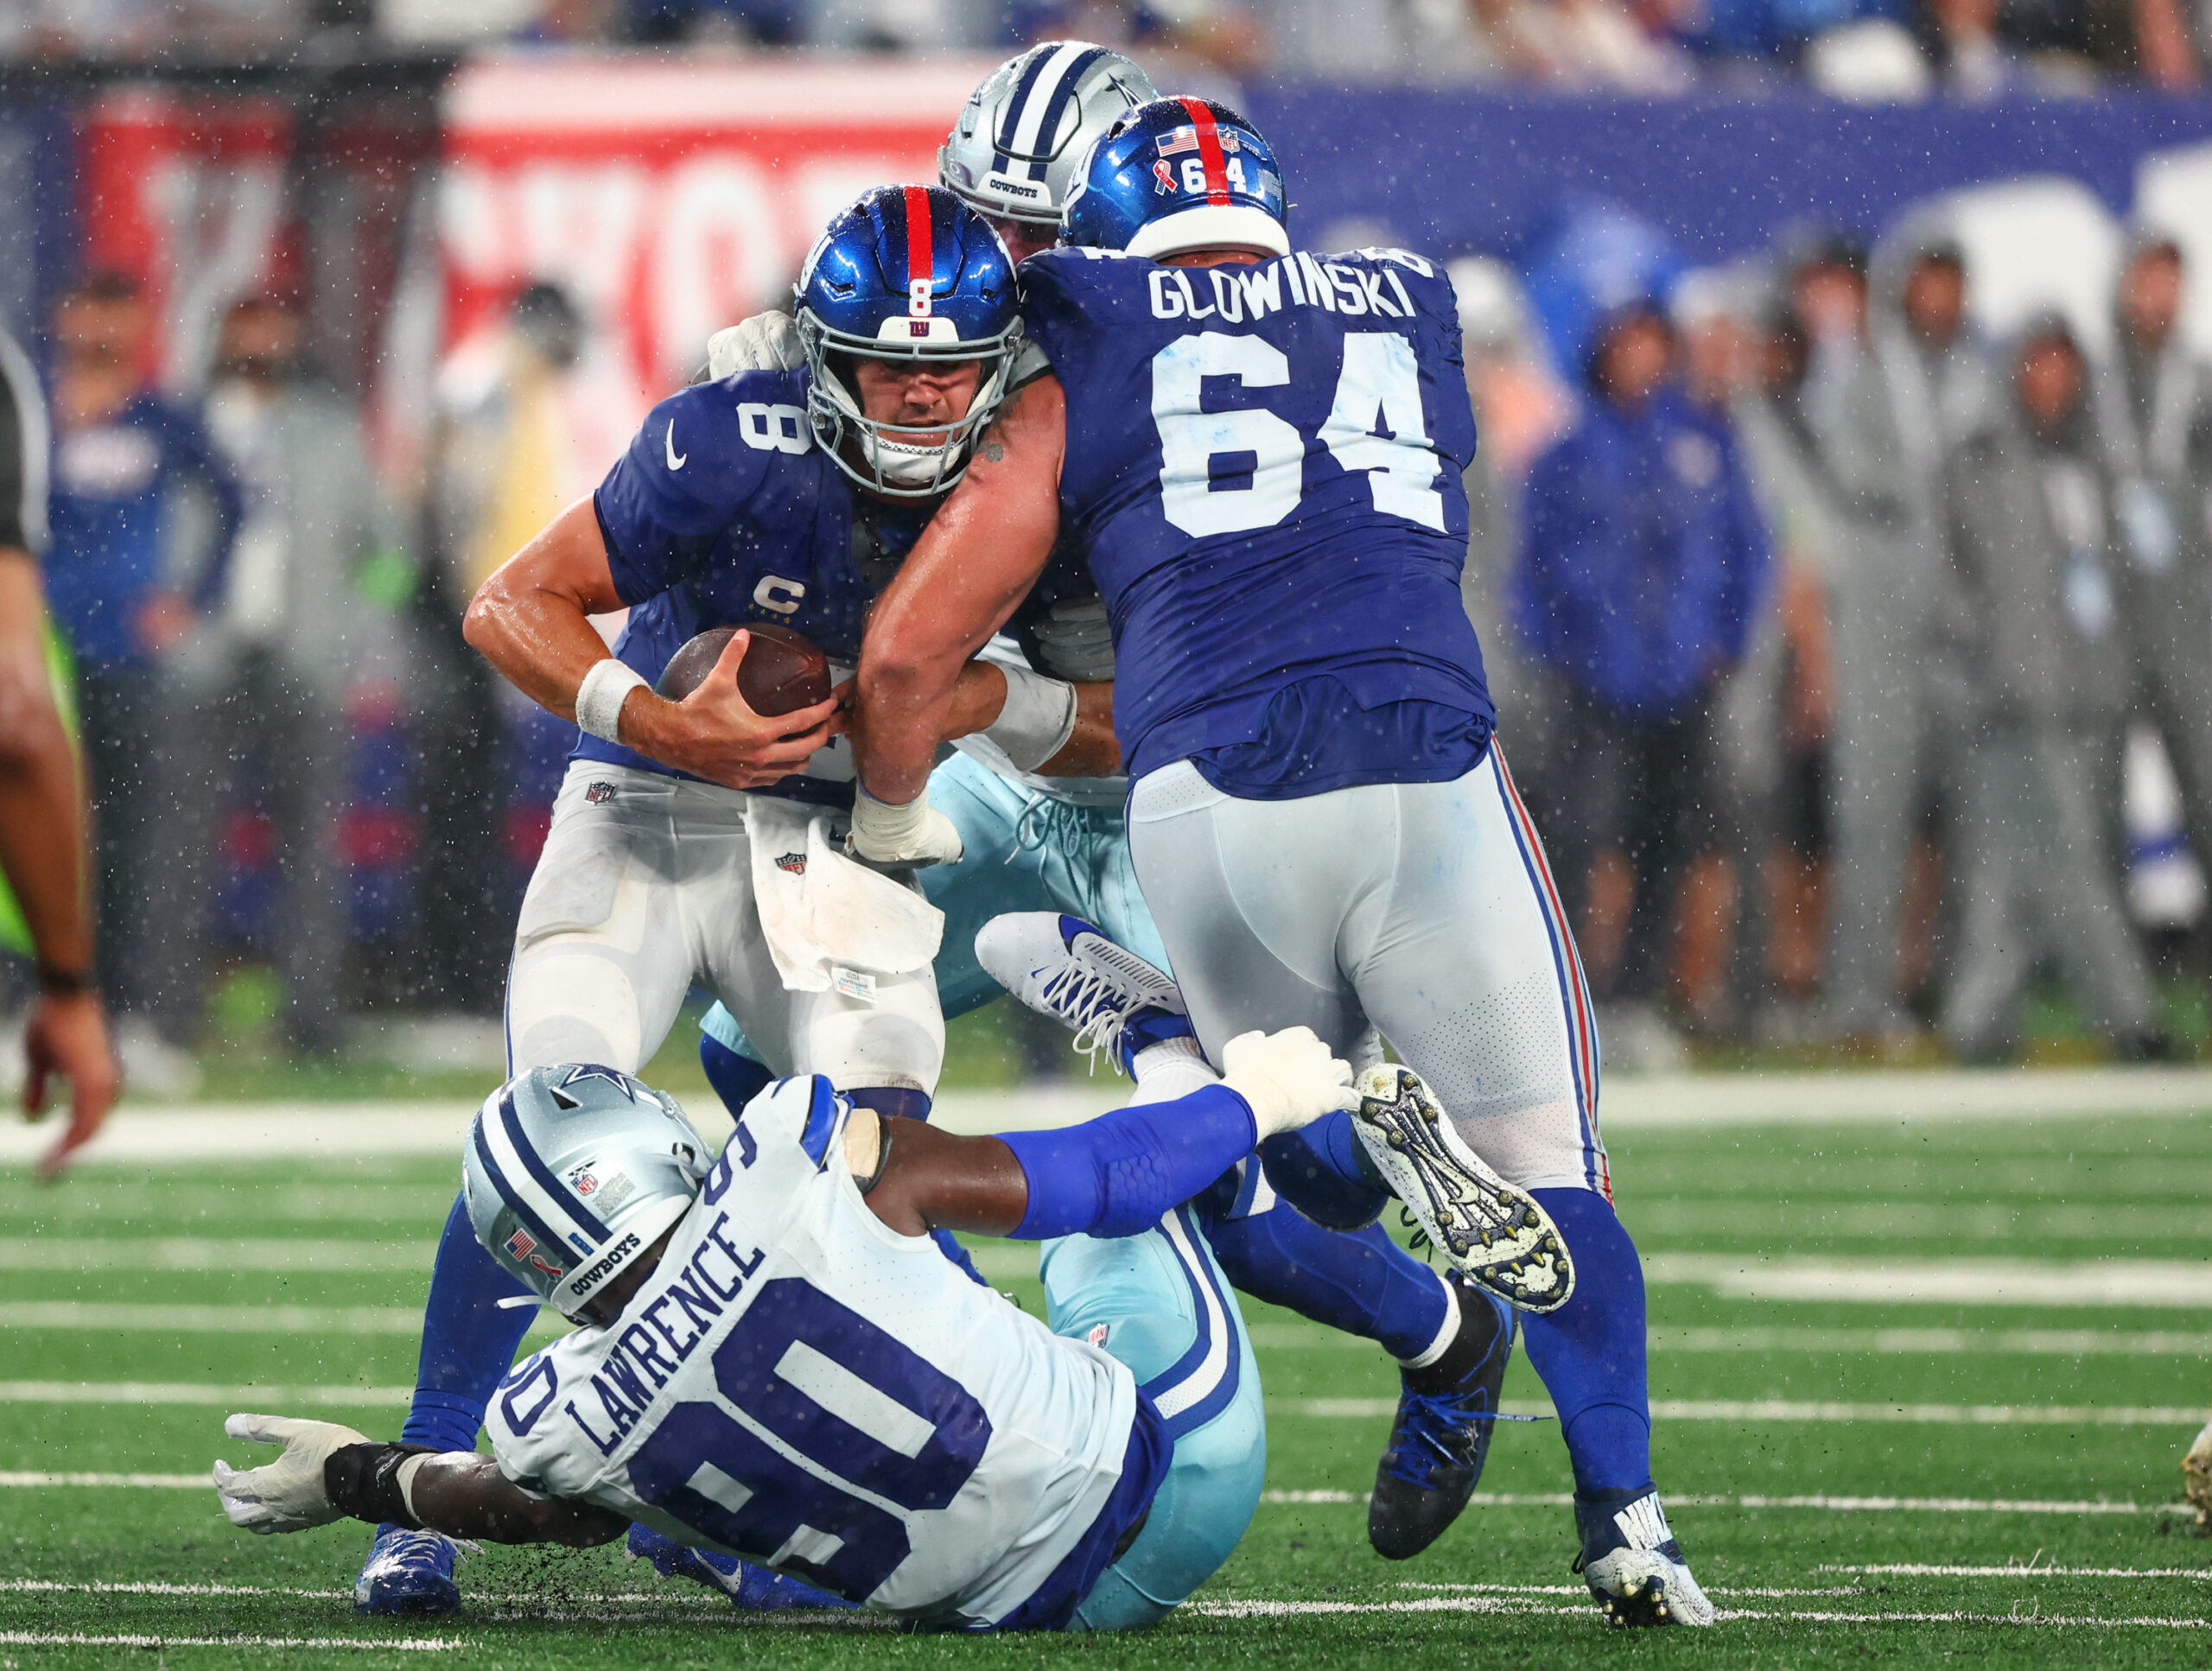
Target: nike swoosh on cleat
pixel 675 460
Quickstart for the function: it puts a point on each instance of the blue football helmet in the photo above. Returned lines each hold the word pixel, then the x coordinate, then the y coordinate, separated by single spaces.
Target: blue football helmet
pixel 908 272
pixel 1177 175
pixel 571 1172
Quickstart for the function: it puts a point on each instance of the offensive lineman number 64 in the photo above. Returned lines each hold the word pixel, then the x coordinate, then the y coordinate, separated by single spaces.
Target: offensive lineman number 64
pixel 1380 379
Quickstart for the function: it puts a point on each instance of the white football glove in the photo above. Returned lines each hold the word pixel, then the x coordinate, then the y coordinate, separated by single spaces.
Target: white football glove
pixel 886 834
pixel 1290 1078
pixel 765 342
pixel 286 1494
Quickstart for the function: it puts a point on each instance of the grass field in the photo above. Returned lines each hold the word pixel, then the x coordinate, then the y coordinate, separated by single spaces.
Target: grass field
pixel 1923 1388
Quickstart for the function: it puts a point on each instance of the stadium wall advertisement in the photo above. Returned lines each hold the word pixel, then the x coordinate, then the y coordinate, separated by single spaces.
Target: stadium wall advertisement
pixel 672 198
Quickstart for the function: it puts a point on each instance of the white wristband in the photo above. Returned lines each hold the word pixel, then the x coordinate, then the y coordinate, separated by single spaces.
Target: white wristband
pixel 404 1475
pixel 1037 718
pixel 601 696
pixel 888 826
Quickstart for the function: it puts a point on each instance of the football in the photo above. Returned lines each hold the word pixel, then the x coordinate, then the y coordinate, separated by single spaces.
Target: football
pixel 783 669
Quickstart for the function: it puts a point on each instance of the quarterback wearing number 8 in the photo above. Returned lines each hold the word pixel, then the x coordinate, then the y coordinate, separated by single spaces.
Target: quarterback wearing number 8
pixel 1261 449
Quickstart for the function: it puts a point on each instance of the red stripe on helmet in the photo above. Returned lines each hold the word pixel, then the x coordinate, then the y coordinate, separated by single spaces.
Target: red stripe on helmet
pixel 921 252
pixel 1210 152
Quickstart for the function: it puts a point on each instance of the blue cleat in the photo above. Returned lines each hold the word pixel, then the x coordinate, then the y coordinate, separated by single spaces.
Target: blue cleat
pixel 750 1588
pixel 1447 1413
pixel 408 1575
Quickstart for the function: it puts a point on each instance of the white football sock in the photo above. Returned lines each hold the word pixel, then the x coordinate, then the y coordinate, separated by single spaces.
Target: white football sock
pixel 1170 1069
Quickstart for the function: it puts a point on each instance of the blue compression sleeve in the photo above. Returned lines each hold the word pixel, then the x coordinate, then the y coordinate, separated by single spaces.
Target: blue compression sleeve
pixel 1116 1175
pixel 468 1340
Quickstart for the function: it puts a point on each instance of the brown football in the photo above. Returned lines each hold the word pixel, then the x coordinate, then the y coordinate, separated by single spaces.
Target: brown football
pixel 783 669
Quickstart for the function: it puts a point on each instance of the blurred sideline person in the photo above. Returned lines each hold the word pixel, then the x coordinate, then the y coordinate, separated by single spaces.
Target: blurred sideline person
pixel 1881 588
pixel 502 463
pixel 262 679
pixel 1810 524
pixel 143 514
pixel 44 843
pixel 1642 563
pixel 1057 842
pixel 2153 408
pixel 2034 617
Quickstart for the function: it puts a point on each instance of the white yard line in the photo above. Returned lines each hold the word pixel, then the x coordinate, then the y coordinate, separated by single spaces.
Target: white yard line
pixel 1776 1409
pixel 1918 1569
pixel 366 1644
pixel 209 1253
pixel 1914 1343
pixel 2159 1283
pixel 1257 1609
pixel 101 1315
pixel 256 1399
pixel 148 1133
pixel 40 1479
pixel 1827 1504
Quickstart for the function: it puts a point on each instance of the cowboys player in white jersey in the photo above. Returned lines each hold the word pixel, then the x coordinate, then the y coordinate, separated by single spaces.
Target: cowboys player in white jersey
pixel 1034 843
pixel 773 1361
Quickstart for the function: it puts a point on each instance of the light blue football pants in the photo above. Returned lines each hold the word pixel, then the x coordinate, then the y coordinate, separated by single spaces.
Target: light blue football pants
pixel 1021 851
pixel 1167 1313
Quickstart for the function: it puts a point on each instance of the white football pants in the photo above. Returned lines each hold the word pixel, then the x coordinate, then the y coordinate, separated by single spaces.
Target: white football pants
pixel 645 886
pixel 1427 909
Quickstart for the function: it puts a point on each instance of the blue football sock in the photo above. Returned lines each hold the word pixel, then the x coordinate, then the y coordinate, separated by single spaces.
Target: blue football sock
pixel 1590 1352
pixel 1323 1172
pixel 468 1340
pixel 736 1079
pixel 1358 1282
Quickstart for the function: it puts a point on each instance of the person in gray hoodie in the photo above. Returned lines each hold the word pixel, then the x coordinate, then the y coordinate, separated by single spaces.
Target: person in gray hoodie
pixel 1885 420
pixel 2154 411
pixel 2031 613
pixel 266 676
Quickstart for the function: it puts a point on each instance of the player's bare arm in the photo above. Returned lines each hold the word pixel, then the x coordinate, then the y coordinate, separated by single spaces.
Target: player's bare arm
pixel 531 621
pixel 977 559
pixel 42 847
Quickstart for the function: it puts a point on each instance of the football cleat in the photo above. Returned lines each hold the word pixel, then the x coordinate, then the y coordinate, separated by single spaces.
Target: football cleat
pixel 1064 968
pixel 2196 1478
pixel 1633 1564
pixel 409 1574
pixel 1499 1236
pixel 1438 1443
pixel 750 1588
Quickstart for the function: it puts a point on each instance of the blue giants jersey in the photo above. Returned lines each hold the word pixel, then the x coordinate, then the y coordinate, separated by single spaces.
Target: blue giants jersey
pixel 1263 463
pixel 725 513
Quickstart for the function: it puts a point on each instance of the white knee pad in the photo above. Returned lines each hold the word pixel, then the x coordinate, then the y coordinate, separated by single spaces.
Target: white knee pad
pixel 572 1005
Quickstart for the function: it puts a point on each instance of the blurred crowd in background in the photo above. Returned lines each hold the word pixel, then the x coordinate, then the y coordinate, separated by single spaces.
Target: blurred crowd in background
pixel 1836 645
pixel 1874 50
pixel 1857 660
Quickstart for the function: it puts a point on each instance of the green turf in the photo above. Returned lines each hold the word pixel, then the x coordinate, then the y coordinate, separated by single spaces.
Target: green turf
pixel 356 1237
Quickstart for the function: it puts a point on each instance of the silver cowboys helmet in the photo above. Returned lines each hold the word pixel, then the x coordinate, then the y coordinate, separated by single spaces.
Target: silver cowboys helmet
pixel 1022 135
pixel 572 1172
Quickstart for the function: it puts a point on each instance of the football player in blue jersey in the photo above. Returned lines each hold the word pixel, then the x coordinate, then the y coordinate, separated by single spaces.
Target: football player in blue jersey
pixel 1054 845
pixel 774 1363
pixel 1262 451
pixel 694 840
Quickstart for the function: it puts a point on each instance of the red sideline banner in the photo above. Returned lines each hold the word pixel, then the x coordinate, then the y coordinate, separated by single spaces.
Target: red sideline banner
pixel 668 200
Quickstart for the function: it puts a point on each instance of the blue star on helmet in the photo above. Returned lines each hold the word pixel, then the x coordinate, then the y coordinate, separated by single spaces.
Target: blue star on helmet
pixel 621 1081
